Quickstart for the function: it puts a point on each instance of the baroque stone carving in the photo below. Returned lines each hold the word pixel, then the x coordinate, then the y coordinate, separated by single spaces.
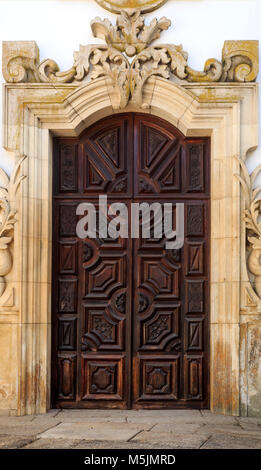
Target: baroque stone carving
pixel 130 37
pixel 253 225
pixel 8 189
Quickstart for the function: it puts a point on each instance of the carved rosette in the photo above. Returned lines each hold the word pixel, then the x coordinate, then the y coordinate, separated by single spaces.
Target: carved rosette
pixel 253 225
pixel 130 38
pixel 8 190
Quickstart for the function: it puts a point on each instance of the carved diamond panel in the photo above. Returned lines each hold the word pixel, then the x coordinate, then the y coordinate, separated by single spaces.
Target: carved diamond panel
pixel 158 277
pixel 159 329
pixel 104 279
pixel 103 329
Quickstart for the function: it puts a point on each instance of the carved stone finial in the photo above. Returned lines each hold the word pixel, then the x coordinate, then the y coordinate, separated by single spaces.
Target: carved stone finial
pixel 130 37
pixel 8 188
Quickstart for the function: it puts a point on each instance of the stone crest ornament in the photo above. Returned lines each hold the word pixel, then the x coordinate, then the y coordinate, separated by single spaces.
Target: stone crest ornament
pixel 128 59
pixel 116 6
pixel 8 190
pixel 251 217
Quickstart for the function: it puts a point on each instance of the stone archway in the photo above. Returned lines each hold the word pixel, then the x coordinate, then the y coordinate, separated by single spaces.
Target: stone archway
pixel 33 113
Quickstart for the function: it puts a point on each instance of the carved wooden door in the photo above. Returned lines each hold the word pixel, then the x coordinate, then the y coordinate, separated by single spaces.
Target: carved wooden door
pixel 130 317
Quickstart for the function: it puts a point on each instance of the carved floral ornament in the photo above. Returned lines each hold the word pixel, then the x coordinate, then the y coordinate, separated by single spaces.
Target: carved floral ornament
pixel 251 216
pixel 129 38
pixel 8 189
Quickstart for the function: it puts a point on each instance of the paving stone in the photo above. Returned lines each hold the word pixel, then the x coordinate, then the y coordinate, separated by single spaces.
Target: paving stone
pixel 25 430
pixel 210 418
pixel 228 441
pixel 177 441
pixel 178 428
pixel 52 444
pixel 86 414
pixel 6 420
pixel 169 416
pixel 93 431
pixel 14 442
pixel 251 427
pixel 256 421
pixel 92 419
pixel 87 445
pixel 230 430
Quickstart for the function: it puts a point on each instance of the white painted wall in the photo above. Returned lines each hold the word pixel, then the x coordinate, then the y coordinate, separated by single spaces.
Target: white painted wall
pixel 59 26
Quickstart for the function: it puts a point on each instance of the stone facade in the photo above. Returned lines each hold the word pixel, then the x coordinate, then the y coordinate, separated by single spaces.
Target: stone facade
pixel 40 102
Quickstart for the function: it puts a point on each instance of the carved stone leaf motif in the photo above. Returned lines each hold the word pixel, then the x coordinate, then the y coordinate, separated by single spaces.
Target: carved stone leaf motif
pixel 251 217
pixel 7 219
pixel 130 37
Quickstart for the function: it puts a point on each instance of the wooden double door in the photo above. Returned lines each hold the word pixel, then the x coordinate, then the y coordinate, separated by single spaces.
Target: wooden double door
pixel 130 317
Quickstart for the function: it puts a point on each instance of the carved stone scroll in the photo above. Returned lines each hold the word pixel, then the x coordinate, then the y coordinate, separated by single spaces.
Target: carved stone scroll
pixel 20 61
pixel 130 38
pixel 8 189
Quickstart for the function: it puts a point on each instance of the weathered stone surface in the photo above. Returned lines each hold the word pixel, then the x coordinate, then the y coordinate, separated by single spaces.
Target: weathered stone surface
pixel 226 441
pixel 212 418
pixel 28 429
pixel 93 432
pixel 178 441
pixel 178 428
pixel 14 442
pixel 52 444
pixel 124 445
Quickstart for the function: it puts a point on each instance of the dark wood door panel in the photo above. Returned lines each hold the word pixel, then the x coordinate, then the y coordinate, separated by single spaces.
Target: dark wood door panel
pixel 130 317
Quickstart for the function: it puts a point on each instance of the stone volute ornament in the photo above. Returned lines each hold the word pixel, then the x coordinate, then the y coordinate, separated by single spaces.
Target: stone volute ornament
pixel 129 38
pixel 8 189
pixel 251 216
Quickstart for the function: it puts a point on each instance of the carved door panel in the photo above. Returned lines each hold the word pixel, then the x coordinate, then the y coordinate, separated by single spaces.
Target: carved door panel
pixel 130 318
pixel 170 312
